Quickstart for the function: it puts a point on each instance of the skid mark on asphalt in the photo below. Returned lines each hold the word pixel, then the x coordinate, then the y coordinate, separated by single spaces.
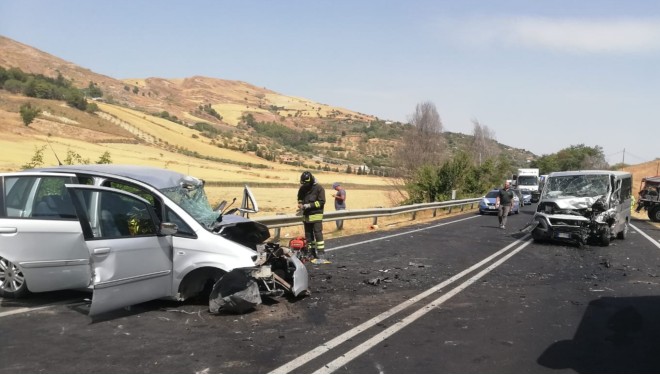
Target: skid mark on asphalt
pixel 345 337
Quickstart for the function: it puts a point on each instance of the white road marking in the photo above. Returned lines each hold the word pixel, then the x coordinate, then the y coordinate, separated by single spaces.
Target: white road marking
pixel 22 310
pixel 389 331
pixel 399 234
pixel 297 362
pixel 31 309
pixel 647 236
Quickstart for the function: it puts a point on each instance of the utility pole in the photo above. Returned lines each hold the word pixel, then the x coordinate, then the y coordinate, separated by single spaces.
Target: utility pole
pixel 623 160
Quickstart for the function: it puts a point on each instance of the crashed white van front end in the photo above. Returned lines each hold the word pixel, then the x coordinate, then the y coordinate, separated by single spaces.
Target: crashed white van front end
pixel 583 206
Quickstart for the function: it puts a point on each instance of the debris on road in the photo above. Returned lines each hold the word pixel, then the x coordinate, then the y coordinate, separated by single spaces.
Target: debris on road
pixel 235 292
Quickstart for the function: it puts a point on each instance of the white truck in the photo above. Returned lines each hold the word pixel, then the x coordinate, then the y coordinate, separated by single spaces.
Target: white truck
pixel 528 179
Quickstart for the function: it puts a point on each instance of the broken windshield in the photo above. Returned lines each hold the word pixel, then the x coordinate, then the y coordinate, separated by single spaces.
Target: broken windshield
pixel 190 196
pixel 576 186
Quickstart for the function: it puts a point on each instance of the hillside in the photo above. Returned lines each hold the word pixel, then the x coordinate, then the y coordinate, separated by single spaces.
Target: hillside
pixel 230 122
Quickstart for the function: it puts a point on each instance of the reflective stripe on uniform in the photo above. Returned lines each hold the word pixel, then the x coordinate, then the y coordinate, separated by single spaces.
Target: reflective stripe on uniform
pixel 315 217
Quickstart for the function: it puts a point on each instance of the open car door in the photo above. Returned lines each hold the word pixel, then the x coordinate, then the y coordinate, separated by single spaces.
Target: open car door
pixel 132 261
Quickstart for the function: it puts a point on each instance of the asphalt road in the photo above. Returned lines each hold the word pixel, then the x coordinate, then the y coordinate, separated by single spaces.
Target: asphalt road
pixel 458 295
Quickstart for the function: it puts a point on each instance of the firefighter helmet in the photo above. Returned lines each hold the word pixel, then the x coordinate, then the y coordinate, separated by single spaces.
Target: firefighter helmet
pixel 306 178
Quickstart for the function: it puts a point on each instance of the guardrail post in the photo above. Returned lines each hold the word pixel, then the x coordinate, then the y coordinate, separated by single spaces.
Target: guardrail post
pixel 414 215
pixel 435 211
pixel 462 207
pixel 375 221
pixel 450 207
pixel 276 236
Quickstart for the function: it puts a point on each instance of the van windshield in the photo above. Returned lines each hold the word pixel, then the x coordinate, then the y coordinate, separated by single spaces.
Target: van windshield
pixel 576 186
pixel 528 180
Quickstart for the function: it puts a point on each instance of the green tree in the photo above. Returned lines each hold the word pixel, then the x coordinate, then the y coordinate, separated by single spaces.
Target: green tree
pixel 28 113
pixel 37 159
pixel 424 185
pixel 73 157
pixel 572 158
pixel 104 159
pixel 93 90
pixel 75 99
pixel 14 86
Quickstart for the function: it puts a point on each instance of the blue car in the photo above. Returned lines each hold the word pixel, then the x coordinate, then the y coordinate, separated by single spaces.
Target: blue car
pixel 487 204
pixel 526 197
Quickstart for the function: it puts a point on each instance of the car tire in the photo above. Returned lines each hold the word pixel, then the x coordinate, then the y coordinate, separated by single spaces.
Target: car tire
pixel 624 232
pixel 12 281
pixel 654 213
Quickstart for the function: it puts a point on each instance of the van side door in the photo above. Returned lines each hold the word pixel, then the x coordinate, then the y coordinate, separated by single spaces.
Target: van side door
pixel 132 262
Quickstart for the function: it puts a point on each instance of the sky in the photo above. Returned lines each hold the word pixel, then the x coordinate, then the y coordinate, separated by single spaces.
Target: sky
pixel 541 75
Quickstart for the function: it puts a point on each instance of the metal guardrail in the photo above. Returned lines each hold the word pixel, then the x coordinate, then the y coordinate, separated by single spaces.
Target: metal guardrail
pixel 280 221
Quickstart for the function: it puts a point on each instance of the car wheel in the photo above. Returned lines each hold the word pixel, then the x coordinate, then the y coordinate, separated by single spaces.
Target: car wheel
pixel 12 281
pixel 654 213
pixel 624 232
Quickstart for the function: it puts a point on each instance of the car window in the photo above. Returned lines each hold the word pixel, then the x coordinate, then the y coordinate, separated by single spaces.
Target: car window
pixel 121 216
pixel 132 189
pixel 140 192
pixel 39 197
pixel 183 229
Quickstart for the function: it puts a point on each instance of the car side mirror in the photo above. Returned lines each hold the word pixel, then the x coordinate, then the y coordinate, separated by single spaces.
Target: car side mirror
pixel 168 229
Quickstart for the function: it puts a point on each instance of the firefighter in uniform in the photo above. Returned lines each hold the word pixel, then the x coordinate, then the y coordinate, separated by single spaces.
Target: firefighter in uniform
pixel 311 200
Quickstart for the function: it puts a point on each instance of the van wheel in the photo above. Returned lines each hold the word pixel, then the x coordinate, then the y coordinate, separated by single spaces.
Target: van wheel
pixel 654 213
pixel 12 281
pixel 605 237
pixel 624 233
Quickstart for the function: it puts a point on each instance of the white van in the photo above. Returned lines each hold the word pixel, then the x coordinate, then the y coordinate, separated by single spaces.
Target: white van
pixel 583 206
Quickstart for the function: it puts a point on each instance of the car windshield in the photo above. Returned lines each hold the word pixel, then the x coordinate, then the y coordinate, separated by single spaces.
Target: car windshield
pixel 492 194
pixel 528 180
pixel 190 196
pixel 576 186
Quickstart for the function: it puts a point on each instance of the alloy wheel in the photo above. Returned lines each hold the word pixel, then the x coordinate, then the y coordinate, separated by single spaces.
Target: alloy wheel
pixel 11 277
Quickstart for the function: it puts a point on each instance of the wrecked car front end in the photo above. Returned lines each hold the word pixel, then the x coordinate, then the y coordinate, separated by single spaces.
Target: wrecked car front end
pixel 582 207
pixel 273 271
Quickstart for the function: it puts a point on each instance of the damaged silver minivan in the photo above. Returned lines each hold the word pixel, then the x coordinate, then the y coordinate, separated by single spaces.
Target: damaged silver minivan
pixel 583 206
pixel 133 234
